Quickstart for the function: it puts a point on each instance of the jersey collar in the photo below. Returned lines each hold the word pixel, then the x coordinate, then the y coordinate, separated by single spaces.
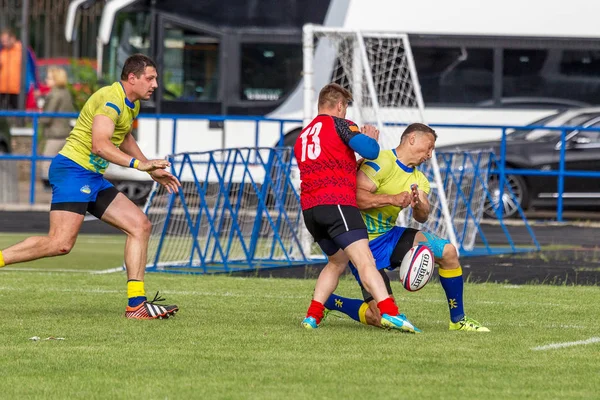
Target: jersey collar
pixel 399 163
pixel 127 101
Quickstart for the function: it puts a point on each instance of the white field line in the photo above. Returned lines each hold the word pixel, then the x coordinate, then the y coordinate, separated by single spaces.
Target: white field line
pixel 487 302
pixel 229 294
pixel 96 240
pixel 398 299
pixel 82 271
pixel 169 292
pixel 522 325
pixel 108 271
pixel 87 239
pixel 553 346
pixel 64 270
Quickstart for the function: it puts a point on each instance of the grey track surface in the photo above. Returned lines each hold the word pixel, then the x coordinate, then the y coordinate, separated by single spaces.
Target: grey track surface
pixel 570 255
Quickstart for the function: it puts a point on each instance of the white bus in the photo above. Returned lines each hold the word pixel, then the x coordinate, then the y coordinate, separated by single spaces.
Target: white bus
pixel 510 62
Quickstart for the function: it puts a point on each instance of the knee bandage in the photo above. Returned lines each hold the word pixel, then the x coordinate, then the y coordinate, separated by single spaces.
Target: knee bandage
pixel 435 243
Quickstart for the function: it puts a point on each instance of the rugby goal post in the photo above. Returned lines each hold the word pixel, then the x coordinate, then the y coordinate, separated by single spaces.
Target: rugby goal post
pixel 379 69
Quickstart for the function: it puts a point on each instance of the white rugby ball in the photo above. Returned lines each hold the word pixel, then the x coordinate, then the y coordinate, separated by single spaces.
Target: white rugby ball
pixel 416 268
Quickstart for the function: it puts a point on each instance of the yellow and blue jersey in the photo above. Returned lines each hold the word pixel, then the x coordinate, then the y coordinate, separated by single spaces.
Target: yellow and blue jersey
pixel 109 101
pixel 391 177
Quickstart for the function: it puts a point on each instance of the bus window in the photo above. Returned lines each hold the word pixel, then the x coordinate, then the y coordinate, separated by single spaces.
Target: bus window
pixel 582 67
pixel 522 73
pixel 580 63
pixel 269 71
pixel 191 66
pixel 552 73
pixel 129 36
pixel 454 76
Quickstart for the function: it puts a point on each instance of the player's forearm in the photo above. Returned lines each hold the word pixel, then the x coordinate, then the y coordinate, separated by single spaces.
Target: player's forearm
pixel 366 200
pixel 421 212
pixel 130 146
pixel 108 151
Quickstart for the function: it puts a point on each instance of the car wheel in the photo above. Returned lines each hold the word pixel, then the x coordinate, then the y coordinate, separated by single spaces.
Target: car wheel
pixel 510 205
pixel 135 191
pixel 3 148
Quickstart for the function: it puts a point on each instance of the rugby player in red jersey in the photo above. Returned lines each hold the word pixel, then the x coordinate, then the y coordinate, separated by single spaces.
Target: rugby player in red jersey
pixel 325 154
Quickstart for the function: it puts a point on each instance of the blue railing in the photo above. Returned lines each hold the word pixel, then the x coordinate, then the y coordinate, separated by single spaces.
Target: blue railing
pixel 33 157
pixel 501 169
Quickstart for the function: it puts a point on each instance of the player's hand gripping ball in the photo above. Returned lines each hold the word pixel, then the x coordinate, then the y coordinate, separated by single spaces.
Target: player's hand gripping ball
pixel 416 268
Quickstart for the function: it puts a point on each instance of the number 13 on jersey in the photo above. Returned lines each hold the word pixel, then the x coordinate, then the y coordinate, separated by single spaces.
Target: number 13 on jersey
pixel 314 147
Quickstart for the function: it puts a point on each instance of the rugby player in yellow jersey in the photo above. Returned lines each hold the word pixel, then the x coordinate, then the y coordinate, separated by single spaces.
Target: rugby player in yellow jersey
pixel 384 187
pixel 102 134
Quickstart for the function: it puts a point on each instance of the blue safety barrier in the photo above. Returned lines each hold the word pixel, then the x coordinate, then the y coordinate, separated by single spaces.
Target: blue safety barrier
pixel 237 210
pixel 218 253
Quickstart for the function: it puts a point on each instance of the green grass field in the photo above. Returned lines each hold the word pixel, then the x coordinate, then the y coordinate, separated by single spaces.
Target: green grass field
pixel 239 338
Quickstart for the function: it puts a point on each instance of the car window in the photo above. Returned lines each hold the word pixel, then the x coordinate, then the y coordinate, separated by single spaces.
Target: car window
pixel 522 133
pixel 593 136
pixel 544 135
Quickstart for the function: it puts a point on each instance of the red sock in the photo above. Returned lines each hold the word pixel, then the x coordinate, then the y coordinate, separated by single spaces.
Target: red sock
pixel 388 306
pixel 316 311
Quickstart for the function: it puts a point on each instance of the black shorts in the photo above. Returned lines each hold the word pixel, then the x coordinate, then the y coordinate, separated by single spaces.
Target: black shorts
pixel 96 208
pixel 404 244
pixel 334 227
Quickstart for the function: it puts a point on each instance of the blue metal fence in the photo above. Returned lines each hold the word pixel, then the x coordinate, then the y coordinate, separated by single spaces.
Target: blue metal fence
pixel 232 214
pixel 501 168
pixel 34 157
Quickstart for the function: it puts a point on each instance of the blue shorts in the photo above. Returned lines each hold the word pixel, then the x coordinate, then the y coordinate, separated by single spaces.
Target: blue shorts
pixel 71 183
pixel 382 248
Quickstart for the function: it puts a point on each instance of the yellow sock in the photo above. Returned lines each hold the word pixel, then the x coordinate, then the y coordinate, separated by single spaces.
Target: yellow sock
pixel 362 313
pixel 1 260
pixel 135 289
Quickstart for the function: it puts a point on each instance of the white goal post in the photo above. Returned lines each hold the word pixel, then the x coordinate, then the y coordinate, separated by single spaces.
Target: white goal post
pixel 378 68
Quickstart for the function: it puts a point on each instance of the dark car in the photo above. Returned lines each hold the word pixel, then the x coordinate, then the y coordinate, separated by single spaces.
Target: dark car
pixel 539 149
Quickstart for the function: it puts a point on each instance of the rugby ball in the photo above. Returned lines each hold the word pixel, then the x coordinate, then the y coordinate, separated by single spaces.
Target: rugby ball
pixel 416 268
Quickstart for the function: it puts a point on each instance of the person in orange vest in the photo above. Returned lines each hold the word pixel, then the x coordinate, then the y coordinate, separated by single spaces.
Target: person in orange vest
pixel 10 69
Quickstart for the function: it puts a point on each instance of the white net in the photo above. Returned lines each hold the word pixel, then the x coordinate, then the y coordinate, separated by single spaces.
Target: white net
pixel 465 176
pixel 385 93
pixel 379 70
pixel 237 210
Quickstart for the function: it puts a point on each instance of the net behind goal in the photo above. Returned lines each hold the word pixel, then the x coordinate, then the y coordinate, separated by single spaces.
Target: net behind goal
pixel 378 68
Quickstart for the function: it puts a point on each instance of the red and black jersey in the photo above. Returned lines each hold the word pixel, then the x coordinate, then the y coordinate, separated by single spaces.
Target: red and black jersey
pixel 327 164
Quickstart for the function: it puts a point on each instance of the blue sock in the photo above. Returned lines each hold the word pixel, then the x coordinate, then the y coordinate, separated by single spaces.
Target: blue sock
pixel 452 282
pixel 136 301
pixel 354 308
